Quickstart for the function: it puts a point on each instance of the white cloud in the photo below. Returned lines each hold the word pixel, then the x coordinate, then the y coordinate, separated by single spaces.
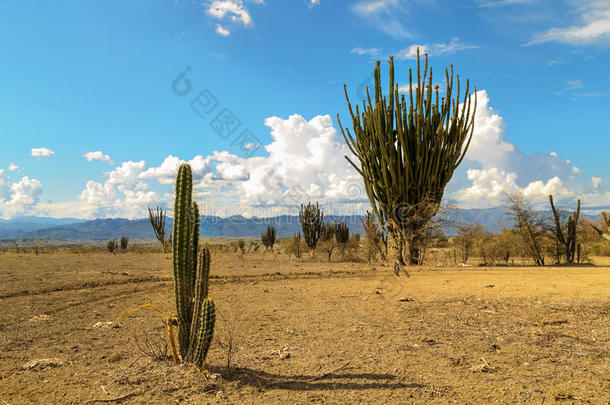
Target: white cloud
pixel 166 172
pixel 41 152
pixel 18 198
pixel 434 49
pixel 594 26
pixel 596 181
pixel 314 3
pixel 98 155
pixel 389 16
pixel 222 30
pixel 494 165
pixel 373 52
pixel 230 11
pixel 12 167
pixel 574 84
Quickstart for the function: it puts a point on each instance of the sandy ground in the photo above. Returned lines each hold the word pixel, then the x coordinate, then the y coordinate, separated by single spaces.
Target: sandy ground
pixel 306 331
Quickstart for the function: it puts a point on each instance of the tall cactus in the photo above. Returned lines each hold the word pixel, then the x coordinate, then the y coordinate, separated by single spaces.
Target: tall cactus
pixel 311 218
pixel 196 314
pixel 569 239
pixel 409 151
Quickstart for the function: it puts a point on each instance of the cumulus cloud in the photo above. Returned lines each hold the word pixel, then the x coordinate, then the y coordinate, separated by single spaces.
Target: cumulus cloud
pixel 594 27
pixel 12 167
pixel 494 165
pixel 453 46
pixel 305 162
pixel 41 152
pixel 98 155
pixel 18 198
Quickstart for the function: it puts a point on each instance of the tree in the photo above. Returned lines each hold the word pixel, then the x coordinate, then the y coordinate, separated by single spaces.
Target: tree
pixel 408 152
pixel 268 238
pixel 568 240
pixel 157 221
pixel 124 242
pixel 327 238
pixel 112 246
pixel 373 238
pixel 532 227
pixel 466 239
pixel 604 229
pixel 342 235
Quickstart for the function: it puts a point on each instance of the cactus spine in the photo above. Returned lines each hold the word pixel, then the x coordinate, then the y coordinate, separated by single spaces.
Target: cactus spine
pixel 196 314
pixel 569 239
pixel 409 151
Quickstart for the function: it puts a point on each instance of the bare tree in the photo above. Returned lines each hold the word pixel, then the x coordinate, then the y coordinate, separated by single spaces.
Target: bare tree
pixel 532 227
pixel 466 240
pixel 157 221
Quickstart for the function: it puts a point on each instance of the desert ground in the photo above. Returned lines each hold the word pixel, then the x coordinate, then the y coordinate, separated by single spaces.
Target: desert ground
pixel 305 331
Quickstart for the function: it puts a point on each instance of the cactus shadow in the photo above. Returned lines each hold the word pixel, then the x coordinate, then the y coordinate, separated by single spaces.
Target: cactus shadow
pixel 260 379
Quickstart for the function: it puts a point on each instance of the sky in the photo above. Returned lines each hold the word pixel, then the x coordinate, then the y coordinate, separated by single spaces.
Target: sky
pixel 100 101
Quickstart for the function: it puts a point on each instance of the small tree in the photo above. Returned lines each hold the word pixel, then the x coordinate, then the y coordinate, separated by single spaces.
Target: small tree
pixel 111 245
pixel 311 218
pixel 124 242
pixel 604 229
pixel 157 221
pixel 294 246
pixel 374 238
pixel 342 235
pixel 268 238
pixel 241 245
pixel 565 234
pixel 327 238
pixel 532 227
pixel 467 239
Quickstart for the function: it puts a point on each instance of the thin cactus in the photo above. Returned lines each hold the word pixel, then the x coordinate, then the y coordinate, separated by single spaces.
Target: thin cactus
pixel 569 239
pixel 408 152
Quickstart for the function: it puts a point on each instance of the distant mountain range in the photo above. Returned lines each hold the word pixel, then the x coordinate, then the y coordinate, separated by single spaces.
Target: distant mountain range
pixel 236 226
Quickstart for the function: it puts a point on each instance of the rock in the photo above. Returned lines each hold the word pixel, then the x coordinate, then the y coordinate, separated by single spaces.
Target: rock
pixel 40 318
pixel 106 325
pixel 41 364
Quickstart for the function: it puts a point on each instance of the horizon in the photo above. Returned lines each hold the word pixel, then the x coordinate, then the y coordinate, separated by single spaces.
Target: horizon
pixel 103 101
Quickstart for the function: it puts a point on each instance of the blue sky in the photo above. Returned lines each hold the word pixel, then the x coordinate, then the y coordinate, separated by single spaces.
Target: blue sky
pixel 92 127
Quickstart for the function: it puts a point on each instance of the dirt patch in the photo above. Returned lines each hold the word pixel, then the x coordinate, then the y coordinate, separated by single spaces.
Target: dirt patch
pixel 306 331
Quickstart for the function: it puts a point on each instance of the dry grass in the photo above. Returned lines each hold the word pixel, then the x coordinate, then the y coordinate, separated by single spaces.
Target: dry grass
pixel 309 331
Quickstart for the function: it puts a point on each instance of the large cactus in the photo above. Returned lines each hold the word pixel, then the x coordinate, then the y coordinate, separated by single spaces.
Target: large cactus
pixel 196 314
pixel 409 151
